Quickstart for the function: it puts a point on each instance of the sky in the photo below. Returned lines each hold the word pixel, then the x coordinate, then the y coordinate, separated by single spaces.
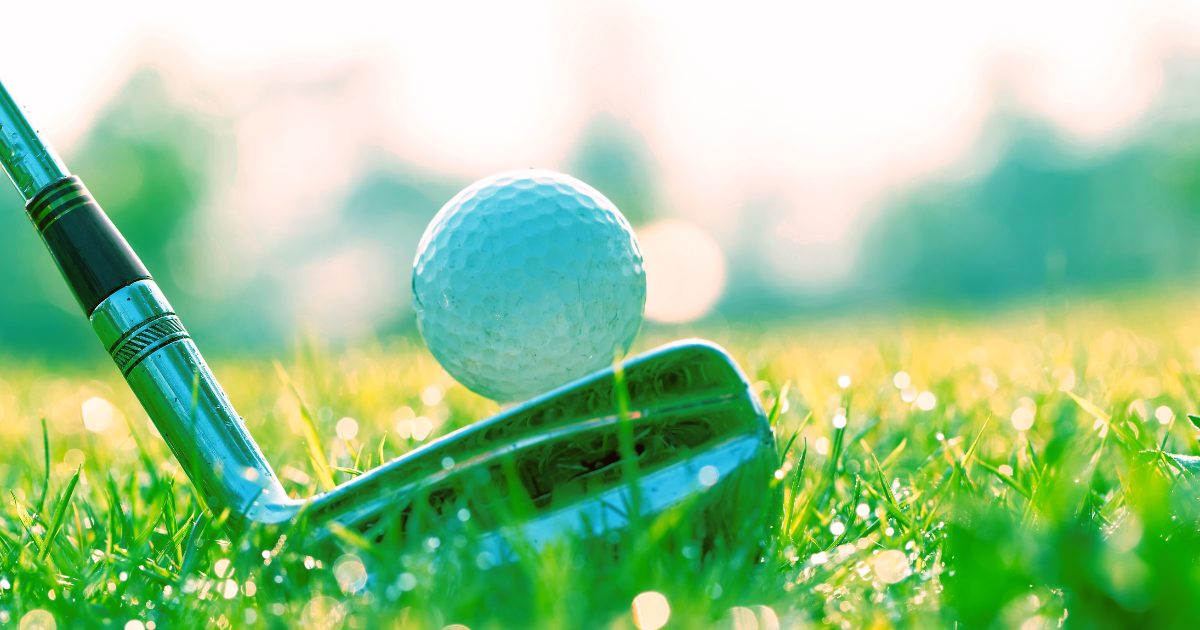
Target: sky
pixel 818 107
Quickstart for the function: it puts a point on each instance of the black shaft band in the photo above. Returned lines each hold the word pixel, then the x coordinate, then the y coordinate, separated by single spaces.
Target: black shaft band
pixel 92 254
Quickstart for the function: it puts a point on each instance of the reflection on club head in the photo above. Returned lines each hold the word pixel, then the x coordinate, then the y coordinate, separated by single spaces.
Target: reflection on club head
pixel 553 465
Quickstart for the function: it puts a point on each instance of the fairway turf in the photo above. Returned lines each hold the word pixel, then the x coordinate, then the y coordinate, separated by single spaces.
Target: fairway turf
pixel 908 495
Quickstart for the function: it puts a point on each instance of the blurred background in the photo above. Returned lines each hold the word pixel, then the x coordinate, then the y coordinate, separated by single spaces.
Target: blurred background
pixel 275 165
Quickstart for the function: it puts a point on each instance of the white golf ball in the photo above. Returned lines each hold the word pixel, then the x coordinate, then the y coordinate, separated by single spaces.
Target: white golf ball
pixel 526 280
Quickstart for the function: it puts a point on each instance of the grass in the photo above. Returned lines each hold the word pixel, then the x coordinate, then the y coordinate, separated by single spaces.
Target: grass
pixel 1007 470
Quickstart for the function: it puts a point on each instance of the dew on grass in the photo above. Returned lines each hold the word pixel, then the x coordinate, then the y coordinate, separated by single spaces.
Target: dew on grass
pixel 347 428
pixel 249 588
pixel 651 610
pixel 837 528
pixel 431 396
pixel 97 414
pixel 447 463
pixel 891 566
pixel 322 611
pixel 37 619
pixel 74 458
pixel 863 511
pixel 1023 416
pixel 1164 415
pixel 742 618
pixel 222 568
pixel 1006 469
pixel 1126 535
pixel 839 419
pixel 843 381
pixel 295 475
pixel 708 476
pixel 228 589
pixel 821 445
pixel 909 394
pixel 862 569
pixel 407 581
pixel 1064 379
pixel 902 380
pixel 926 401
pixel 421 428
pixel 464 515
pixel 350 573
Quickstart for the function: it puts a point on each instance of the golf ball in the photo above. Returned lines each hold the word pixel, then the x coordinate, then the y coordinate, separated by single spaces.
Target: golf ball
pixel 526 280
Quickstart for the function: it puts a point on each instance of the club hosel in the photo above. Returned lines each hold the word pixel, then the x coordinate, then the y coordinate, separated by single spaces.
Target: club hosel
pixel 155 354
pixel 170 378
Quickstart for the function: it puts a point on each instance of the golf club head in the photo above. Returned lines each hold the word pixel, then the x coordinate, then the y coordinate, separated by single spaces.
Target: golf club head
pixel 552 467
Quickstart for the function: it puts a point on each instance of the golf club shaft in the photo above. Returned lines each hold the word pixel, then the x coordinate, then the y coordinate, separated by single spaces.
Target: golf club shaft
pixel 31 165
pixel 139 329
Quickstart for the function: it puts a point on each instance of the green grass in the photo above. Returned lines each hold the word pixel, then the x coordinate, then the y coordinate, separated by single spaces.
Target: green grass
pixel 907 497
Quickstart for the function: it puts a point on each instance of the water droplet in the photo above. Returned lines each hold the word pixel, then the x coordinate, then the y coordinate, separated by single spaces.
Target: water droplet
pixel 709 475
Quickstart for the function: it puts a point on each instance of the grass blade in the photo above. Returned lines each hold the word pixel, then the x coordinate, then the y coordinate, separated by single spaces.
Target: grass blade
pixel 60 512
pixel 312 439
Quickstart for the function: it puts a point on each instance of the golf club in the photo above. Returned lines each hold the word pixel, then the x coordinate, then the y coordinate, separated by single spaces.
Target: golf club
pixel 668 428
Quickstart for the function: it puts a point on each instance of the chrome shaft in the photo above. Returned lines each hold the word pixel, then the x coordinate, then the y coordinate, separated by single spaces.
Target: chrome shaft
pixel 165 370
pixel 29 162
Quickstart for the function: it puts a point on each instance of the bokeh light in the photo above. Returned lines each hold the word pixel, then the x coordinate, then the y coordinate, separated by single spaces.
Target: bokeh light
pixel 651 610
pixel 685 271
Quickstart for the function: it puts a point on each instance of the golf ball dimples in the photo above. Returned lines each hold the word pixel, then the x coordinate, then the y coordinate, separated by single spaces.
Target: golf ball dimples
pixel 527 280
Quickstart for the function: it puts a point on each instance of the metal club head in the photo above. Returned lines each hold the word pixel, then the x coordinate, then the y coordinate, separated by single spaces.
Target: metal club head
pixel 554 465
